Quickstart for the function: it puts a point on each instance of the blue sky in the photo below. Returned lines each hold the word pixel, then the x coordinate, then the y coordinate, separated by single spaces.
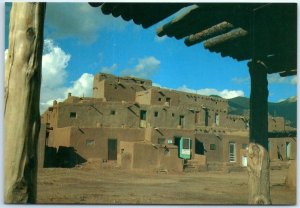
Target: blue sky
pixel 80 41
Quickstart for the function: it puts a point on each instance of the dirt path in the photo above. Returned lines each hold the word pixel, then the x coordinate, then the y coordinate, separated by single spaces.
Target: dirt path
pixel 91 184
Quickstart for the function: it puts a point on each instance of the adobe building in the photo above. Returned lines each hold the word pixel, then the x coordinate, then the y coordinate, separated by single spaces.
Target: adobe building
pixel 141 126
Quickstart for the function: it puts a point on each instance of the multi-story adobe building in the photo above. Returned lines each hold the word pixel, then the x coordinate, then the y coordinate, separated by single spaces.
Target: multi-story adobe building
pixel 141 126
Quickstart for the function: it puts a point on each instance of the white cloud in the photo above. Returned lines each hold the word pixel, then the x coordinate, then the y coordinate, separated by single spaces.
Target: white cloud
pixel 209 91
pixel 79 20
pixel 55 61
pixel 145 68
pixel 110 69
pixel 54 76
pixel 83 86
pixel 277 79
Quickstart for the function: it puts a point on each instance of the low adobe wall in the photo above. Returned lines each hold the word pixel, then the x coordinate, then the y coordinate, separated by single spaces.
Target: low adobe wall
pixel 146 156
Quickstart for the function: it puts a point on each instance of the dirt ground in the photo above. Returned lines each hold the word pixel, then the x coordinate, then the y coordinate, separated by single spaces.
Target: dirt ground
pixel 95 184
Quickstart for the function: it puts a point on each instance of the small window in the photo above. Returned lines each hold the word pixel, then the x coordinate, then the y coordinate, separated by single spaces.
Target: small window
pixel 112 112
pixel 212 146
pixel 73 115
pixel 217 119
pixel 159 99
pixel 181 120
pixel 173 114
pixel 143 114
pixel 161 141
pixel 155 114
pixel 90 142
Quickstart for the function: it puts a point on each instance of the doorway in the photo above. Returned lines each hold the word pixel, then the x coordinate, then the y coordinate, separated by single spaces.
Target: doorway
pixel 112 149
pixel 199 147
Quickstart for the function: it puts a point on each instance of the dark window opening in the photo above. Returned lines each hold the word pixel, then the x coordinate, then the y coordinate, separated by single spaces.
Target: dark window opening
pixel 212 146
pixel 155 114
pixel 173 114
pixel 159 99
pixel 168 100
pixel 73 115
pixel 112 112
pixel 181 120
pixel 206 117
pixel 143 114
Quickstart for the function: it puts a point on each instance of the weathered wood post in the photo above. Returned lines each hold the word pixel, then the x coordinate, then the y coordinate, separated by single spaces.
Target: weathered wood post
pixel 22 97
pixel 258 155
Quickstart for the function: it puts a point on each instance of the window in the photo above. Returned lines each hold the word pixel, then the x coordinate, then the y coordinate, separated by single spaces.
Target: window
pixel 181 120
pixel 212 146
pixel 186 144
pixel 159 99
pixel 143 114
pixel 155 114
pixel 73 115
pixel 232 152
pixel 173 114
pixel 168 100
pixel 89 142
pixel 112 112
pixel 217 119
pixel 206 117
pixel 161 141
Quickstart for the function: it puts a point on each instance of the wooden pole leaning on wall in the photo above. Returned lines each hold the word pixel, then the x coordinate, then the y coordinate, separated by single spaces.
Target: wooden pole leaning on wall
pixel 22 96
pixel 258 155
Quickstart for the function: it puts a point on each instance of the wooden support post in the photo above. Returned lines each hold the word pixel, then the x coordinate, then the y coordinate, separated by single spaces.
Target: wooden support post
pixel 258 155
pixel 22 97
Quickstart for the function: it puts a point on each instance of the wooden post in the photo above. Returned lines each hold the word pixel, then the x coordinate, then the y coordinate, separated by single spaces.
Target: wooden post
pixel 258 155
pixel 22 97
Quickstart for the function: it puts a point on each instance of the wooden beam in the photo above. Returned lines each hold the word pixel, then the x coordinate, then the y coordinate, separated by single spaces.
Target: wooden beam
pixel 232 35
pixel 204 17
pixel 258 156
pixel 288 73
pixel 215 30
pixel 22 98
pixel 95 4
pixel 185 19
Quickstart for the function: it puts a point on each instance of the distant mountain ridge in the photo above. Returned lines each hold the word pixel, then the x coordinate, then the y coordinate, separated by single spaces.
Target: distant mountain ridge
pixel 286 108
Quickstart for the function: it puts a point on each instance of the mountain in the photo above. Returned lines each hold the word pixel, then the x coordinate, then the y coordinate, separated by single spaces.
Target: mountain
pixel 286 108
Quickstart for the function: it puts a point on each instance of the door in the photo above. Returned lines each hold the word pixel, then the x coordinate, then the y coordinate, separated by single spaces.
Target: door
pixel 232 152
pixel 199 147
pixel 185 148
pixel 112 149
pixel 288 150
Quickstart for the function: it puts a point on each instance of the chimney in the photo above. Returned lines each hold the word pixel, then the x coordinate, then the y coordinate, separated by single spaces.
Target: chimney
pixel 69 94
